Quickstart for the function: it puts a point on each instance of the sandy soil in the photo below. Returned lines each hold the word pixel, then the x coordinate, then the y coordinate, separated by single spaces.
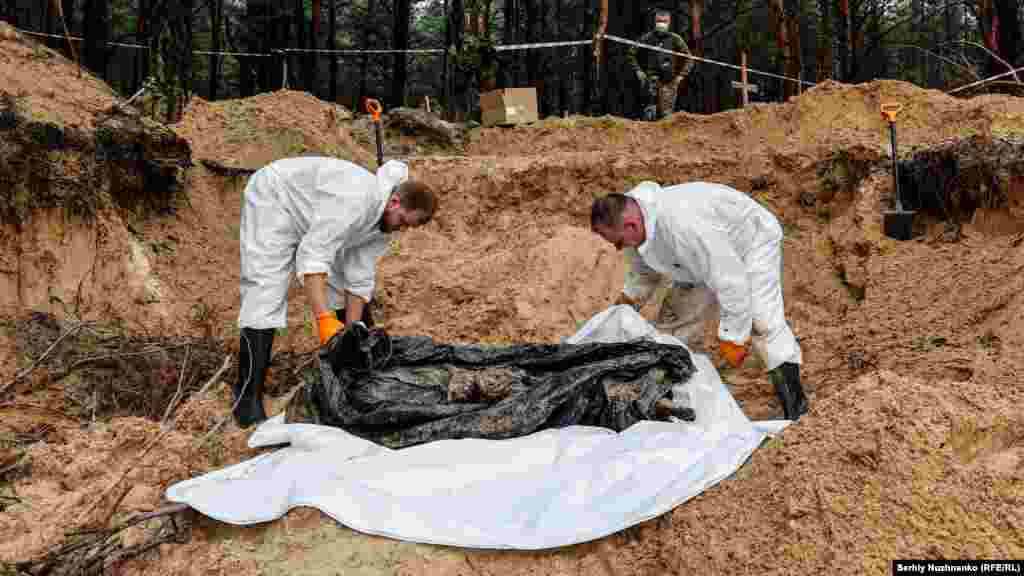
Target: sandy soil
pixel 912 350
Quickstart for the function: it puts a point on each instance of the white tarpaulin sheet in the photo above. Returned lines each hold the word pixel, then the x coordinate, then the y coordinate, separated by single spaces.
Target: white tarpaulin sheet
pixel 549 489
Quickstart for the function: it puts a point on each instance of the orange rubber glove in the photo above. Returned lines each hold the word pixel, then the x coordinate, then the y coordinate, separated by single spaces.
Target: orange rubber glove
pixel 733 353
pixel 328 325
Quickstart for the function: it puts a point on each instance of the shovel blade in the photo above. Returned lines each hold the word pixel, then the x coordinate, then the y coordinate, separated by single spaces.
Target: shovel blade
pixel 898 225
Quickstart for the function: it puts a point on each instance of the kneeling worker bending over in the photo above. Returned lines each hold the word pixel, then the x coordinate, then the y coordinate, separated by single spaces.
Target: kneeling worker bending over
pixel 720 248
pixel 327 221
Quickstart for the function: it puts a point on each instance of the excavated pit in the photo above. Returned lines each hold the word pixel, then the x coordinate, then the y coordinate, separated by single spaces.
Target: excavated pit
pixel 976 181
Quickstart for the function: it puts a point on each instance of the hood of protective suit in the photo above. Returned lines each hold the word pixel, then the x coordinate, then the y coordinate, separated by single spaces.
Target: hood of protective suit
pixel 390 174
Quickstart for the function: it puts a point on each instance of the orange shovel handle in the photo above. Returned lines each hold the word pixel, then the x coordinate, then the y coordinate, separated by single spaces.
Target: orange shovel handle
pixel 373 107
pixel 890 110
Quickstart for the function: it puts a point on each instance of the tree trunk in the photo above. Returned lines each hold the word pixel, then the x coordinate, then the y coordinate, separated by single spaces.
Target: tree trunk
pixel 795 69
pixel 246 68
pixel 824 42
pixel 369 41
pixel 141 34
pixel 301 58
pixel 510 36
pixel 216 7
pixel 316 20
pixel 532 62
pixel 777 23
pixel 185 53
pixel 400 34
pixel 96 32
pixel 446 73
pixel 1007 33
pixel 565 67
pixel 313 58
pixel 954 18
pixel 332 30
pixel 600 57
pixel 586 19
pixel 265 68
pixel 697 43
pixel 52 24
pixel 791 52
pixel 843 34
pixel 68 24
pixel 874 30
pixel 807 44
pixel 917 27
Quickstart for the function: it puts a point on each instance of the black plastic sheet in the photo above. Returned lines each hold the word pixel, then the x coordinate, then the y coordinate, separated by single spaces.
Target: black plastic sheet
pixel 407 390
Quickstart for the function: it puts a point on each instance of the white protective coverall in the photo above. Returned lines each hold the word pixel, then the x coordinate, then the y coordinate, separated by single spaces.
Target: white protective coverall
pixel 722 250
pixel 311 215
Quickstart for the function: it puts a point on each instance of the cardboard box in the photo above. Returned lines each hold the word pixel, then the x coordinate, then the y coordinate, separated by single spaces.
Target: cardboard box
pixel 508 106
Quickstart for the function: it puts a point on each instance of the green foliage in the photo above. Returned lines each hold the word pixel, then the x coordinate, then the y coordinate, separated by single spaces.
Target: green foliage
pixel 431 25
pixel 927 343
pixel 744 25
pixel 988 340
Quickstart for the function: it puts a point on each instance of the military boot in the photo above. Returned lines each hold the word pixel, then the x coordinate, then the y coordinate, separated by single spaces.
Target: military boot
pixel 786 380
pixel 253 361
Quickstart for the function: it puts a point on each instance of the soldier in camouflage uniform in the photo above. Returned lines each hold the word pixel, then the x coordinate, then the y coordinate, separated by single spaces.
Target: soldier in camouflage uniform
pixel 660 73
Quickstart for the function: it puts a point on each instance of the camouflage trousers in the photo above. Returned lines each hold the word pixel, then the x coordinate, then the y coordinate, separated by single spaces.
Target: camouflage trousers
pixel 664 96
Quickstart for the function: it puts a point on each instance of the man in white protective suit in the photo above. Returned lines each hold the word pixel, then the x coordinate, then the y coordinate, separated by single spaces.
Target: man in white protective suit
pixel 721 250
pixel 327 221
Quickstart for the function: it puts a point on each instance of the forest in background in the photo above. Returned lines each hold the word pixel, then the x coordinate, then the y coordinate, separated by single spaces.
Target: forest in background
pixel 235 48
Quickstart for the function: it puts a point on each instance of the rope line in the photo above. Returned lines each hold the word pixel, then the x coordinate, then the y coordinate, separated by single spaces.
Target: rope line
pixel 983 81
pixel 505 47
pixel 708 60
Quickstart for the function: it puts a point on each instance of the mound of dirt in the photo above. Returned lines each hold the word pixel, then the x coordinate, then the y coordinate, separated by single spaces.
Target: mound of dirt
pixel 829 116
pixel 248 133
pixel 53 87
pixel 75 166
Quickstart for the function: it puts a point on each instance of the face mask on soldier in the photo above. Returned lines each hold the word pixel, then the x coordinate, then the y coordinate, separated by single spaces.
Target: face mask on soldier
pixel 661 26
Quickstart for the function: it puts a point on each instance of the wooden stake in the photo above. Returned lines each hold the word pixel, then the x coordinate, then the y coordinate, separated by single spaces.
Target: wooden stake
pixel 743 76
pixel 743 86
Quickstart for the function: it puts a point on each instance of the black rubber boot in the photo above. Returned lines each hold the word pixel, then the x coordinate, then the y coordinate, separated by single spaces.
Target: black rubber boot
pixel 786 379
pixel 253 361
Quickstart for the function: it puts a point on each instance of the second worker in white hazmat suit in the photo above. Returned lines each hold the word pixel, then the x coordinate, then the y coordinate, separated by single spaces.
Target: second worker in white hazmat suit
pixel 722 250
pixel 326 222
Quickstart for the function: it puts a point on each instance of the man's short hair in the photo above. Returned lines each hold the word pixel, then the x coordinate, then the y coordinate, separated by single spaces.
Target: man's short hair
pixel 416 196
pixel 607 210
pixel 662 12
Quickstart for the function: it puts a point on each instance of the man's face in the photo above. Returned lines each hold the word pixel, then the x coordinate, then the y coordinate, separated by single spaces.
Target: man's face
pixel 662 22
pixel 396 218
pixel 629 235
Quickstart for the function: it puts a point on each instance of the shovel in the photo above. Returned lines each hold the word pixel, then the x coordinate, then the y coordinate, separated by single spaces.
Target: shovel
pixel 896 224
pixel 373 107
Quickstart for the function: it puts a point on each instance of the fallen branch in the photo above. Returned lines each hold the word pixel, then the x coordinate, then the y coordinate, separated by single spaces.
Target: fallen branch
pixel 156 440
pixel 179 393
pixel 225 170
pixel 24 405
pixel 312 358
pixel 20 375
pixel 222 421
pixel 216 376
pixel 88 359
pixel 92 552
pixel 23 460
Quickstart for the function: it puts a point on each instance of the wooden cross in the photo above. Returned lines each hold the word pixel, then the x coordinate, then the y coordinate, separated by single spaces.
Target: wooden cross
pixel 743 85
